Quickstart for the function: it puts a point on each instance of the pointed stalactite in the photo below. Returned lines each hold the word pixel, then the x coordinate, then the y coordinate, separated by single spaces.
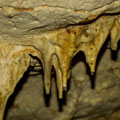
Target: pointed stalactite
pixel 65 69
pixel 98 33
pixel 65 78
pixel 115 35
pixel 47 73
pixel 56 65
pixel 64 64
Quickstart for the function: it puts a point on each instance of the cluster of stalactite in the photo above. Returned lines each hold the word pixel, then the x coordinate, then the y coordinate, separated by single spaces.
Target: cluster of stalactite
pixel 54 49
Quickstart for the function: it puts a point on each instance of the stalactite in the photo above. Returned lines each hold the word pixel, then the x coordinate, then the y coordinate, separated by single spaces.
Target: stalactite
pixel 54 48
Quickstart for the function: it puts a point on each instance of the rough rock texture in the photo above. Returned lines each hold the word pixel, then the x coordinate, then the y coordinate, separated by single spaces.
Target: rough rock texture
pixel 53 33
pixel 28 16
pixel 82 102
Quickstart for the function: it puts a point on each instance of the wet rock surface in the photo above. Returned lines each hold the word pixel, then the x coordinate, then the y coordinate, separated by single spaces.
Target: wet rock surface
pixel 88 98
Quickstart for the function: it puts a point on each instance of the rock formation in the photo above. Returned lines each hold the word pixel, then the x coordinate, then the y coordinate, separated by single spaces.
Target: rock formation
pixel 54 32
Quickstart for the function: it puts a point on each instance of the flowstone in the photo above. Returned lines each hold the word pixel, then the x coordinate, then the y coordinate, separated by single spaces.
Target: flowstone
pixel 81 101
pixel 25 37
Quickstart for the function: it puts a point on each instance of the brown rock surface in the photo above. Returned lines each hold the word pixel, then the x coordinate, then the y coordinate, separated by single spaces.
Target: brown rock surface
pixel 49 34
pixel 82 102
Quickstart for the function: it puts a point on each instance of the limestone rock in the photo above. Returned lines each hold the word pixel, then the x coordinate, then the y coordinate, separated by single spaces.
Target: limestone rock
pixel 27 16
pixel 52 33
pixel 81 103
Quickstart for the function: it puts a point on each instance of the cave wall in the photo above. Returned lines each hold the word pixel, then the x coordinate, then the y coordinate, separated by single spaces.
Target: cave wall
pixel 52 33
